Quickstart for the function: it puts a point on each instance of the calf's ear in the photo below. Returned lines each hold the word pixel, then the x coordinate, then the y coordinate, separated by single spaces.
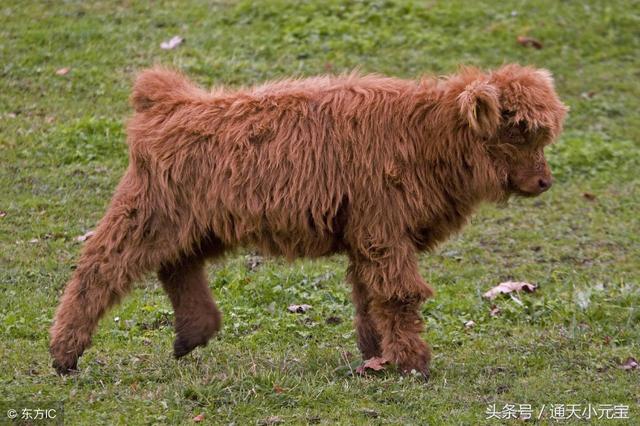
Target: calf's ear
pixel 479 104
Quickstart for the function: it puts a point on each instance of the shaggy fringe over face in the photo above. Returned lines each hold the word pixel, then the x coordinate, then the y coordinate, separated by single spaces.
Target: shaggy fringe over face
pixel 379 168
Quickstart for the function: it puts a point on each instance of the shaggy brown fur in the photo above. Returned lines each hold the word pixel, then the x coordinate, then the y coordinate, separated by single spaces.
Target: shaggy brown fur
pixel 379 168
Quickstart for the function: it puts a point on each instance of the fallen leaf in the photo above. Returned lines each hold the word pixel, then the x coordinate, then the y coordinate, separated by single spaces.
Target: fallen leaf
pixel 253 262
pixel 630 364
pixel 370 413
pixel 271 420
pixel 607 340
pixel 198 418
pixel 85 236
pixel 495 310
pixel 34 241
pixel 3 213
pixel 174 42
pixel 588 95
pixel 469 324
pixel 529 42
pixel 375 364
pixel 63 71
pixel 508 287
pixel 298 309
pixel 277 389
pixel 589 196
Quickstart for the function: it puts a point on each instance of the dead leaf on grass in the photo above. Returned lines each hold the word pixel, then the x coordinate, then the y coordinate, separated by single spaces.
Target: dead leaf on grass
pixel 509 287
pixel 254 261
pixel 630 364
pixel 174 42
pixel 299 309
pixel 589 196
pixel 85 236
pixel 63 71
pixel 469 324
pixel 529 42
pixel 271 420
pixel 375 364
pixel 198 418
pixel 370 412
pixel 495 310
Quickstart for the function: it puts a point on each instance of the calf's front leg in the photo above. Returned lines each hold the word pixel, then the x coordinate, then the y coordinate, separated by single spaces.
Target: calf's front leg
pixel 396 293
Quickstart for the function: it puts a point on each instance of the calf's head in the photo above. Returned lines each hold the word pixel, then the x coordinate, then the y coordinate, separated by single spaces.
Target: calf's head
pixel 516 113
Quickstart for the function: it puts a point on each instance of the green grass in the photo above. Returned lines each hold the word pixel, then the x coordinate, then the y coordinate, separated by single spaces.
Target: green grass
pixel 62 151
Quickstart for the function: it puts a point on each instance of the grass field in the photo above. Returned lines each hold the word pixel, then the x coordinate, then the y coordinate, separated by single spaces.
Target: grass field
pixel 62 151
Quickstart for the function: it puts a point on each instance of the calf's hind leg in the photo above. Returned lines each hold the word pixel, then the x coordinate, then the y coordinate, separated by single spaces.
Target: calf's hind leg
pixel 126 244
pixel 197 317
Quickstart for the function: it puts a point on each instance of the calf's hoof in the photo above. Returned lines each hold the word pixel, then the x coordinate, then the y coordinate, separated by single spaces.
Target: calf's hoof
pixel 191 334
pixel 415 360
pixel 65 360
pixel 182 346
pixel 65 368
